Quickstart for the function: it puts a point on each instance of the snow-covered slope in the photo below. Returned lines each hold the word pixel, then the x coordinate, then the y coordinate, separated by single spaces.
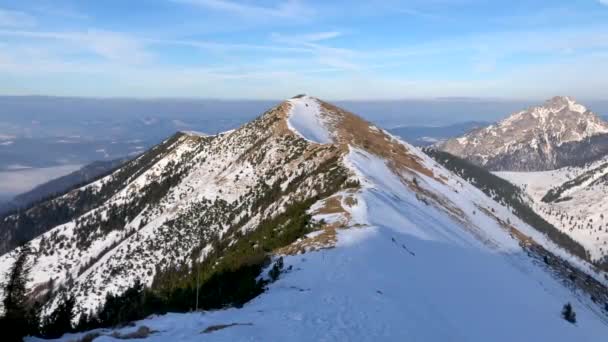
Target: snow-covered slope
pixel 559 133
pixel 190 191
pixel 573 199
pixel 405 250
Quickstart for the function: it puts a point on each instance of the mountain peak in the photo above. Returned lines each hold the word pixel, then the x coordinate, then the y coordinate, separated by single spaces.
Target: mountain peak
pixel 307 118
pixel 321 122
pixel 538 138
pixel 560 99
pixel 558 103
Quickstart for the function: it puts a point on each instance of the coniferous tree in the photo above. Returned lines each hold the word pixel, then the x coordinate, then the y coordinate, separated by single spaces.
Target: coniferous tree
pixel 59 321
pixel 16 311
pixel 127 307
pixel 276 269
pixel 568 313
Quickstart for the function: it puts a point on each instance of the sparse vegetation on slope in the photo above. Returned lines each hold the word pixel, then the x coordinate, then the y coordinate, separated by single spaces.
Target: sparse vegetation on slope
pixel 507 194
pixel 25 224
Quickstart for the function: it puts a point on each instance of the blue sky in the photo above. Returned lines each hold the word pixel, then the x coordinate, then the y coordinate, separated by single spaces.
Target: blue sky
pixel 332 49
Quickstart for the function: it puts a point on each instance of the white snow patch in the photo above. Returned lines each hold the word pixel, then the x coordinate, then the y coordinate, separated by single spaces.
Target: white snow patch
pixel 305 119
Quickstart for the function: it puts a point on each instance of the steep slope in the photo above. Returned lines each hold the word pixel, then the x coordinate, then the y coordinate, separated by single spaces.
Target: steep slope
pixel 509 195
pixel 402 249
pixel 25 224
pixel 572 199
pixel 189 191
pixel 559 133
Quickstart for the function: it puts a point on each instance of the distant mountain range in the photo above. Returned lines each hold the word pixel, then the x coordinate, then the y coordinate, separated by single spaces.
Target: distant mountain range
pixel 559 133
pixel 306 223
pixel 429 135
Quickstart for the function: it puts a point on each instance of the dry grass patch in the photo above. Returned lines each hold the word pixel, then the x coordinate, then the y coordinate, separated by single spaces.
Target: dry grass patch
pixel 350 201
pixel 326 239
pixel 351 129
pixel 333 205
pixel 281 112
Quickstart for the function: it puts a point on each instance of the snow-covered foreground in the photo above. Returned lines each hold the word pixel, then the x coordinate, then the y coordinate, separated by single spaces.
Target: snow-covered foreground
pixel 369 288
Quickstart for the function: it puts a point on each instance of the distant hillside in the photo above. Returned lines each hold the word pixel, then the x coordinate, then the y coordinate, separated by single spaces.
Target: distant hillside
pixel 507 194
pixel 573 199
pixel 429 135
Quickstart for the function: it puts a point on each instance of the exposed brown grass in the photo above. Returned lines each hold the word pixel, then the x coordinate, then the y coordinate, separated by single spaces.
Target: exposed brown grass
pixel 324 240
pixel 354 130
pixel 350 201
pixel 281 112
pixel 333 205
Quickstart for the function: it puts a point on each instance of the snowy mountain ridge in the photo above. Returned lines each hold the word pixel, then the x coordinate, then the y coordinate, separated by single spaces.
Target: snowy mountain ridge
pixel 401 248
pixel 559 133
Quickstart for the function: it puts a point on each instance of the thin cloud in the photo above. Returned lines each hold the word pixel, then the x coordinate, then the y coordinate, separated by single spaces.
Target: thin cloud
pixel 218 46
pixel 287 9
pixel 416 13
pixel 16 19
pixel 309 37
pixel 61 12
pixel 106 44
pixel 327 56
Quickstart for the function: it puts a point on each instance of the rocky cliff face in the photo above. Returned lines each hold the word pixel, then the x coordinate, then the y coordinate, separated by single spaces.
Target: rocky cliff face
pixel 559 133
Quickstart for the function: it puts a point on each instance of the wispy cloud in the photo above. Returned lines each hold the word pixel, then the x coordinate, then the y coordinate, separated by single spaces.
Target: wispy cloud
pixel 325 55
pixel 604 2
pixel 415 12
pixel 16 19
pixel 223 46
pixel 285 9
pixel 62 12
pixel 309 37
pixel 106 44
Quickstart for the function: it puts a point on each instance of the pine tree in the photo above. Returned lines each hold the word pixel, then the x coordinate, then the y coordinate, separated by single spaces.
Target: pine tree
pixel 59 321
pixel 276 269
pixel 16 311
pixel 568 313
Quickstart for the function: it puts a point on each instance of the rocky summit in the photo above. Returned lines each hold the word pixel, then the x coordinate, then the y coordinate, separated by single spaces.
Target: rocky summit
pixel 559 133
